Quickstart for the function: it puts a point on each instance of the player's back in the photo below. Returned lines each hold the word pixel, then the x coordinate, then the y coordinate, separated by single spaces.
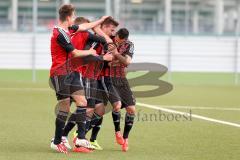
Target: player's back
pixel 59 55
pixel 79 41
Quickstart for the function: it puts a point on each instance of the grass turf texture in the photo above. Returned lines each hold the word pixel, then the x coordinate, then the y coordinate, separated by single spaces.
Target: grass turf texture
pixel 27 121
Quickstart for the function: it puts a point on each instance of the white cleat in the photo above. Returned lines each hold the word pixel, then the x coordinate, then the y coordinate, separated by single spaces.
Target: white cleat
pixel 66 142
pixel 83 143
pixel 59 147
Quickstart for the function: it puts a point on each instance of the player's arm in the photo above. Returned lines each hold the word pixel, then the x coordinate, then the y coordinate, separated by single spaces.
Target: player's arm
pixel 84 53
pixel 107 57
pixel 64 41
pixel 99 31
pixel 95 38
pixel 87 26
pixel 126 60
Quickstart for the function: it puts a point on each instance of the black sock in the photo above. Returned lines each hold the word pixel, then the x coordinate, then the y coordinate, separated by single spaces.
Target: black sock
pixel 116 116
pixel 96 129
pixel 129 119
pixel 88 123
pixel 94 120
pixel 70 125
pixel 81 122
pixel 60 123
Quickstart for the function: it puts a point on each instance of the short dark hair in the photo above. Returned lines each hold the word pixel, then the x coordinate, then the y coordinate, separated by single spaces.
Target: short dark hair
pixel 123 33
pixel 110 21
pixel 81 20
pixel 65 11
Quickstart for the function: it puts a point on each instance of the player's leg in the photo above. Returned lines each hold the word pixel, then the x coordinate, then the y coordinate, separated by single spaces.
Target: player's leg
pixel 96 124
pixel 90 92
pixel 116 114
pixel 128 102
pixel 63 107
pixel 97 114
pixel 72 119
pixel 100 103
pixel 78 94
pixel 68 127
pixel 90 112
pixel 103 97
pixel 129 120
pixel 115 100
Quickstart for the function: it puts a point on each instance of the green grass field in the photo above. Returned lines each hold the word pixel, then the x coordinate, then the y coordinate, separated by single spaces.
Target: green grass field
pixel 27 121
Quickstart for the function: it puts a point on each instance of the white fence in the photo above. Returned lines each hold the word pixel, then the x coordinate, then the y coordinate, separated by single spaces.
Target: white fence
pixel 178 53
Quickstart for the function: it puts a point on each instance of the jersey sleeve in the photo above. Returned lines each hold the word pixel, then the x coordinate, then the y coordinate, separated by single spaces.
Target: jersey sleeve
pixel 64 41
pixel 96 38
pixel 100 40
pixel 129 49
pixel 73 28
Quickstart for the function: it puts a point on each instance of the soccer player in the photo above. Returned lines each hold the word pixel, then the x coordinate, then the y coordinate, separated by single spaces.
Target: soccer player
pixel 106 29
pixel 123 56
pixel 82 40
pixel 106 91
pixel 121 95
pixel 61 51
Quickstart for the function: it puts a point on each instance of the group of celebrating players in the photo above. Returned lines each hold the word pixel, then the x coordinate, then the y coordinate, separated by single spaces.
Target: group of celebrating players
pixel 88 69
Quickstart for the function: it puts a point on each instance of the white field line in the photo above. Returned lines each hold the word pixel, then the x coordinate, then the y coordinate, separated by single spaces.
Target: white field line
pixel 188 114
pixel 200 108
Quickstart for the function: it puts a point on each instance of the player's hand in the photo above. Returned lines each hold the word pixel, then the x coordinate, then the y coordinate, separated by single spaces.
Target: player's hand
pixel 115 52
pixel 115 63
pixel 108 57
pixel 104 17
pixel 93 52
pixel 111 48
pixel 109 40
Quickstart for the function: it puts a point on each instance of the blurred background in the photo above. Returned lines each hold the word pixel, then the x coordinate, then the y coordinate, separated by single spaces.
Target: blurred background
pixel 197 36
pixel 197 40
pixel 209 17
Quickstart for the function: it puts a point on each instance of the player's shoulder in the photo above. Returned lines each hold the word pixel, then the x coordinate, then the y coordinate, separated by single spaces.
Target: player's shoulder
pixel 73 28
pixel 129 42
pixel 79 35
pixel 55 31
pixel 60 31
pixel 82 33
pixel 130 47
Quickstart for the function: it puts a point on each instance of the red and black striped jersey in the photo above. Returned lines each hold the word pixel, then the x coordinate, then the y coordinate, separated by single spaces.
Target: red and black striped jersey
pixel 118 70
pixel 83 41
pixel 93 69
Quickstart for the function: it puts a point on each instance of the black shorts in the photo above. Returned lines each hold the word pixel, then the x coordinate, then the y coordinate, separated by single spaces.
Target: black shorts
pixel 106 91
pixel 124 91
pixel 90 88
pixel 66 85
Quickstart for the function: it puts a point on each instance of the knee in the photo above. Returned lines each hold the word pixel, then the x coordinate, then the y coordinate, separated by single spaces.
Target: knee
pixel 100 109
pixel 90 112
pixel 131 110
pixel 80 100
pixel 117 106
pixel 63 105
